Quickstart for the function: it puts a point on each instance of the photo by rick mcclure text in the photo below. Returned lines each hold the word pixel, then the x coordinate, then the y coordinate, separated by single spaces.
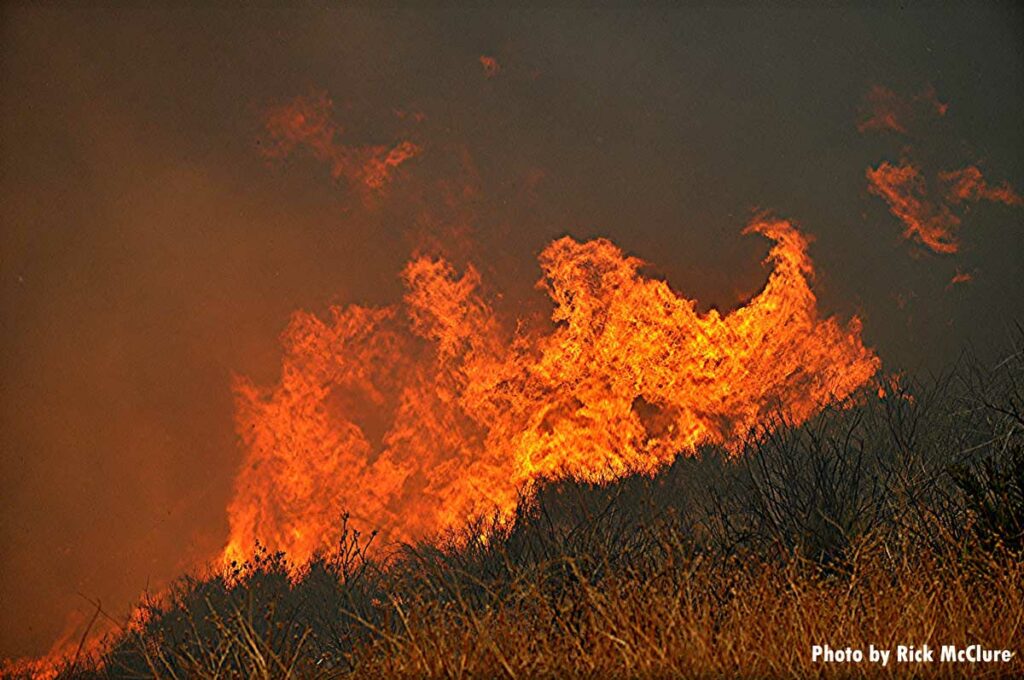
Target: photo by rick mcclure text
pixel 923 654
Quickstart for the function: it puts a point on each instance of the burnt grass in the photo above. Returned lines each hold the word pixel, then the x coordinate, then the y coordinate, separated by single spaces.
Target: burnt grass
pixel 889 520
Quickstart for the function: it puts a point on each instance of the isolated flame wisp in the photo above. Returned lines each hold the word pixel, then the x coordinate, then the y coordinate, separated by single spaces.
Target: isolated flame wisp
pixel 883 110
pixel 490 65
pixel 418 416
pixel 932 221
pixel 969 185
pixel 904 188
pixel 930 210
pixel 305 122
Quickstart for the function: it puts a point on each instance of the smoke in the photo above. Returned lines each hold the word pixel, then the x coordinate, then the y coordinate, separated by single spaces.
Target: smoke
pixel 151 249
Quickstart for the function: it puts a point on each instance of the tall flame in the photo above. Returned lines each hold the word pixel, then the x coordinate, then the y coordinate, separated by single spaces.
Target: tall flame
pixel 418 416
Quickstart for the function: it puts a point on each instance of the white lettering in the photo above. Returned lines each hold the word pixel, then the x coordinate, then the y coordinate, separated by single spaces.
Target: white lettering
pixel 974 654
pixel 878 655
pixel 826 654
pixel 911 654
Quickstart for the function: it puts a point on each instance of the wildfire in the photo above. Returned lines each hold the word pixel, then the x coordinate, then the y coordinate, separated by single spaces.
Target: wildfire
pixel 886 111
pixel 490 65
pixel 929 215
pixel 306 122
pixel 933 222
pixel 959 278
pixel 420 415
pixel 968 184
pixel 904 189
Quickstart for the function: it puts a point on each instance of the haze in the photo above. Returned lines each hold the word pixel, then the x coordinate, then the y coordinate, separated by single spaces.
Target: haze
pixel 149 249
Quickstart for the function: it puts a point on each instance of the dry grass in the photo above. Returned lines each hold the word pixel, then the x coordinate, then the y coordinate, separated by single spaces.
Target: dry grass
pixel 897 521
pixel 696 616
pixel 746 619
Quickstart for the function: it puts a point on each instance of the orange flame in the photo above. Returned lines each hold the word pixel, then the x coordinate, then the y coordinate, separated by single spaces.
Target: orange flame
pixel 81 640
pixel 884 110
pixel 933 223
pixel 968 184
pixel 306 121
pixel 959 278
pixel 418 416
pixel 903 188
pixel 490 65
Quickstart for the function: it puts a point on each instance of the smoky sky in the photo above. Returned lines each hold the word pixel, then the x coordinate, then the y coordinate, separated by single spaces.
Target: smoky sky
pixel 150 251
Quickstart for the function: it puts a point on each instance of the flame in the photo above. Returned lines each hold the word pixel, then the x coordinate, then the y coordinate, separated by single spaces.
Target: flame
pixel 904 189
pixel 959 278
pixel 490 65
pixel 933 223
pixel 968 184
pixel 884 110
pixel 82 638
pixel 926 219
pixel 306 122
pixel 418 416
